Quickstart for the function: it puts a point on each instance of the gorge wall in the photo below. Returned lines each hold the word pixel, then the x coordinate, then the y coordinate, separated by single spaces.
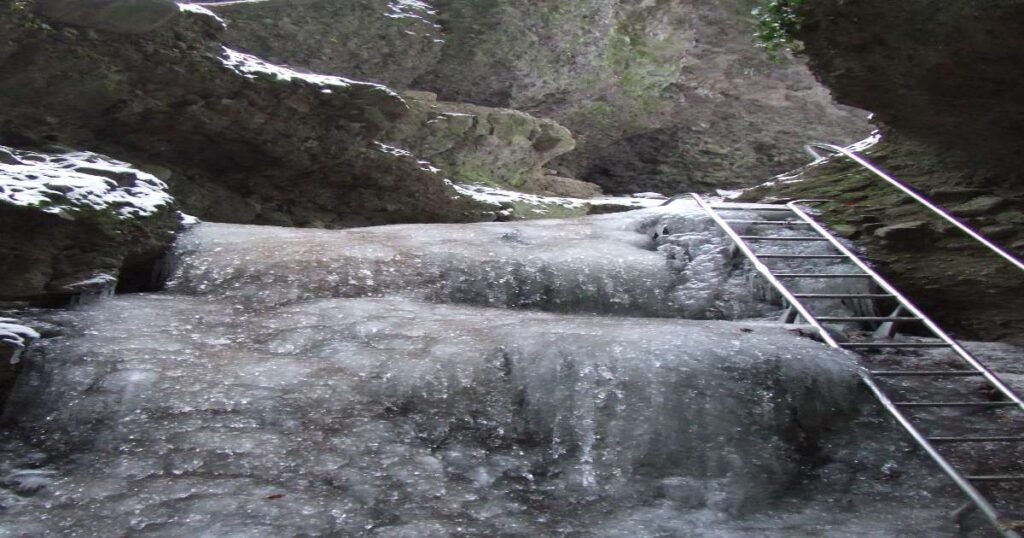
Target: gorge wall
pixel 944 75
pixel 668 96
pixel 942 80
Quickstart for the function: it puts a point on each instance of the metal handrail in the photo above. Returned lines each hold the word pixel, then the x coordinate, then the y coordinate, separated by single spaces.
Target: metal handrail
pixel 961 481
pixel 977 499
pixel 903 300
pixel 915 195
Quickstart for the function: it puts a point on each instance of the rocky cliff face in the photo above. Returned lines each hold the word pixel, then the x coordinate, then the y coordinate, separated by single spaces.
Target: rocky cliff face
pixel 237 139
pixel 965 287
pixel 942 79
pixel 668 95
pixel 945 75
pixel 76 222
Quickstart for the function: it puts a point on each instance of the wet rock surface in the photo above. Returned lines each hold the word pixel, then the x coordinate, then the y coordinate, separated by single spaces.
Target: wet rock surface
pixel 668 96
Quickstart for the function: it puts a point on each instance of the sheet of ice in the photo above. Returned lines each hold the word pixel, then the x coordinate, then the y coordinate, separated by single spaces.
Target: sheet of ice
pixel 608 264
pixel 321 383
pixel 64 183
pixel 183 416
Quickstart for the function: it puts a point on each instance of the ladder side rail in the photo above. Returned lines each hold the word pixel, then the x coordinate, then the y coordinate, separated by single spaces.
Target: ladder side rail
pixel 917 197
pixel 963 353
pixel 765 271
pixel 962 482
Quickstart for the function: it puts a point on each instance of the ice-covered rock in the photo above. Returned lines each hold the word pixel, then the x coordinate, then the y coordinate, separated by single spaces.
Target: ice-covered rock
pixel 311 382
pixel 600 264
pixel 74 181
pixel 69 216
pixel 338 416
pixel 16 337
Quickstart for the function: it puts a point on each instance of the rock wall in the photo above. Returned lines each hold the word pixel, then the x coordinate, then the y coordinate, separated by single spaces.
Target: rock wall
pixel 482 145
pixel 76 222
pixel 237 139
pixel 965 287
pixel 668 95
pixel 942 74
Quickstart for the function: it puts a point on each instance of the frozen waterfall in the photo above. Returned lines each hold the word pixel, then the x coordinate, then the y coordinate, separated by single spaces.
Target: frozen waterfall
pixel 582 377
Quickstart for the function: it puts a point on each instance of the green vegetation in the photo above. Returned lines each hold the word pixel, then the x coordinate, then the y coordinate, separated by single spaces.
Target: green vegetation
pixel 776 23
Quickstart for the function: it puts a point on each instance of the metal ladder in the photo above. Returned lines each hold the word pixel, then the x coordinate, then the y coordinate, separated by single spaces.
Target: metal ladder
pixel 908 411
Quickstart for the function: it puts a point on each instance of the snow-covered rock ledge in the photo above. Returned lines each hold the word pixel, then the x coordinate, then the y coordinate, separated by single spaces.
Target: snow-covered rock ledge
pixel 15 340
pixel 71 182
pixel 67 216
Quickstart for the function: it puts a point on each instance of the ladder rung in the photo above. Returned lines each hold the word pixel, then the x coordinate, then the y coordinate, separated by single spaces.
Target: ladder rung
pixel 842 295
pixel 995 478
pixel 803 256
pixel 978 439
pixel 769 222
pixel 867 318
pixel 955 404
pixel 822 275
pixel 872 345
pixel 925 373
pixel 750 208
pixel 770 238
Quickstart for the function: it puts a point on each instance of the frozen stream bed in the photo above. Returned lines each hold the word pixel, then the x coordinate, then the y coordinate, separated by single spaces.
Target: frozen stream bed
pixel 514 379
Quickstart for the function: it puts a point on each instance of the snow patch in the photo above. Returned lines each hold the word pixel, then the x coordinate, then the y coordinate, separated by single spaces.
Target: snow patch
pixel 498 197
pixel 200 10
pixel 68 182
pixel 99 282
pixel 392 150
pixel 250 66
pixel 17 336
pixel 188 220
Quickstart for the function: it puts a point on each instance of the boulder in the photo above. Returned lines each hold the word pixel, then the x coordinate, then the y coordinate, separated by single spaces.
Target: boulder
pixel 944 74
pixel 475 144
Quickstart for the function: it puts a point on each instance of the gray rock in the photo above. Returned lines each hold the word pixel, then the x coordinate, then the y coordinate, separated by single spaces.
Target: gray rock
pixel 980 206
pixel 999 231
pixel 906 233
pixel 121 16
pixel 1010 217
pixel 969 110
pixel 476 144
pixel 954 194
